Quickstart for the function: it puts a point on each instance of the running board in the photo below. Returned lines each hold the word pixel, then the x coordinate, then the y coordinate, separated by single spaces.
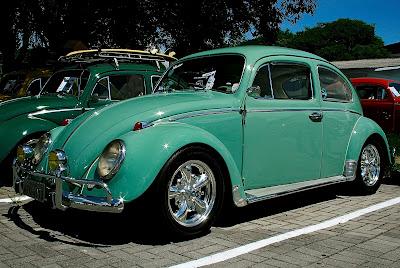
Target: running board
pixel 256 195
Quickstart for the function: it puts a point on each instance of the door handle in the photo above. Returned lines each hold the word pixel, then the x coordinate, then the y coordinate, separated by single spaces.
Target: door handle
pixel 316 116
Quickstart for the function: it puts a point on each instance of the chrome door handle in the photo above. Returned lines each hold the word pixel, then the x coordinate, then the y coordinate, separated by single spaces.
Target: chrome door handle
pixel 316 116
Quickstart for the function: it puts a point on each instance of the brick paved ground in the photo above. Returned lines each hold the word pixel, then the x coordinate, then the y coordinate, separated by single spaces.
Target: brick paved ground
pixel 33 235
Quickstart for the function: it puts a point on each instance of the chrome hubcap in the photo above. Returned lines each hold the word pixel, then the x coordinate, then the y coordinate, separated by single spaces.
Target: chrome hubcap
pixel 192 193
pixel 370 165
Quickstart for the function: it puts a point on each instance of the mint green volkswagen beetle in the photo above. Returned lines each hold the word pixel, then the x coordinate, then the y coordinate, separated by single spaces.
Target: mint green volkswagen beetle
pixel 233 125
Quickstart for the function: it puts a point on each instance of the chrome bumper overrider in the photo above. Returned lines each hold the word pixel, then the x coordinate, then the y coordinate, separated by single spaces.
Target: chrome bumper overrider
pixel 63 199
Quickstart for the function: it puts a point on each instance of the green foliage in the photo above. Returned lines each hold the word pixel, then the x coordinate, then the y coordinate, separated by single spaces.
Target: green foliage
pixel 343 39
pixel 184 26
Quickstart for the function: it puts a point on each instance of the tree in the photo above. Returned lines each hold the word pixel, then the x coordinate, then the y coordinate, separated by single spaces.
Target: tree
pixel 343 39
pixel 184 26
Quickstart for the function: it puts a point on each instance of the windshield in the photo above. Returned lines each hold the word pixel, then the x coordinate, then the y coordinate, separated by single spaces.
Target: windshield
pixel 221 73
pixel 69 82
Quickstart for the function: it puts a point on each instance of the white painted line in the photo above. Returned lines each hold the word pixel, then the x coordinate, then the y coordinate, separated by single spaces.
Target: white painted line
pixel 232 253
pixel 15 199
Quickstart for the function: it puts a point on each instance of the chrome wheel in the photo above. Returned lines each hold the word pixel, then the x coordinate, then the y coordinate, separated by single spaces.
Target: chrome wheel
pixel 370 165
pixel 191 193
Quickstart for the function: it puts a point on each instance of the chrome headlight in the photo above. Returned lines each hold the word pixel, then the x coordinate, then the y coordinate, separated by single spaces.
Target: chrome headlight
pixel 41 148
pixel 57 161
pixel 111 159
pixel 24 152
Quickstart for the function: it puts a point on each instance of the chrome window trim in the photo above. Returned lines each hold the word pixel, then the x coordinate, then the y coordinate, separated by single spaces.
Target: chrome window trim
pixel 151 81
pixel 344 80
pixel 108 86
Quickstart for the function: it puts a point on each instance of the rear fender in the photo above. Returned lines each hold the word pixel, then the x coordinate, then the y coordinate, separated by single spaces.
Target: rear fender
pixel 364 129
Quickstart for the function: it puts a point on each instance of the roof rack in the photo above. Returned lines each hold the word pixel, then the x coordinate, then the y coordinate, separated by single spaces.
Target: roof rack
pixel 99 55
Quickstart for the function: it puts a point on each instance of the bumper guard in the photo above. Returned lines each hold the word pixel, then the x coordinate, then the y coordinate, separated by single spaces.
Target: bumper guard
pixel 63 199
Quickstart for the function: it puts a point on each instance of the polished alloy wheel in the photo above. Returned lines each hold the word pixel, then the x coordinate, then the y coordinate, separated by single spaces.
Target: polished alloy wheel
pixel 191 193
pixel 370 165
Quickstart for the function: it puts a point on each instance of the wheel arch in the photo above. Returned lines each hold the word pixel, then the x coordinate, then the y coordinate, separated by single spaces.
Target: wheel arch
pixel 367 130
pixel 20 129
pixel 161 142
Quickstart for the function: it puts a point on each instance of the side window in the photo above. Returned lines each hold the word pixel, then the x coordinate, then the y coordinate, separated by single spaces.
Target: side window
pixel 367 92
pixel 126 86
pixel 101 89
pixel 154 80
pixel 333 87
pixel 261 84
pixel 291 81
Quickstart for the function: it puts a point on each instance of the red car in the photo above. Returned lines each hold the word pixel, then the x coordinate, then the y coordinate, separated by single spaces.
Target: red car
pixel 380 99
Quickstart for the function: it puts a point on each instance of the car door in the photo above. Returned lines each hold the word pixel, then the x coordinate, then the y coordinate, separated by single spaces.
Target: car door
pixel 339 119
pixel 282 127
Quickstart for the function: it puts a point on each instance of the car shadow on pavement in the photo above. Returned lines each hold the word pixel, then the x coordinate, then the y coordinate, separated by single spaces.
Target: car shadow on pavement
pixel 84 228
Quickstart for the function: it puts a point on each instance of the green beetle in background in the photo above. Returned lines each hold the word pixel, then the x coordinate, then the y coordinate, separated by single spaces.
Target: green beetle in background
pixel 94 78
pixel 237 125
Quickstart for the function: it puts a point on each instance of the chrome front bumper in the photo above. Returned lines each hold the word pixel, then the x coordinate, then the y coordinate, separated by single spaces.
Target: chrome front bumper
pixel 64 199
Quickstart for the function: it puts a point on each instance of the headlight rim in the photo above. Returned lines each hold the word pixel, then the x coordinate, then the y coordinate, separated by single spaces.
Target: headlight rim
pixel 118 163
pixel 42 152
pixel 62 162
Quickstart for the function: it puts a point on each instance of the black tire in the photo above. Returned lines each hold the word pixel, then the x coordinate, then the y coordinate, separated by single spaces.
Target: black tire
pixel 189 156
pixel 367 183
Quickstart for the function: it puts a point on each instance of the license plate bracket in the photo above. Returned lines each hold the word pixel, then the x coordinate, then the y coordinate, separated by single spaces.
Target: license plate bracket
pixel 35 190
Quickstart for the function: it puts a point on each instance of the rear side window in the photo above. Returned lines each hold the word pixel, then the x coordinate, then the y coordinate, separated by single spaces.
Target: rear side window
pixel 367 92
pixel 333 87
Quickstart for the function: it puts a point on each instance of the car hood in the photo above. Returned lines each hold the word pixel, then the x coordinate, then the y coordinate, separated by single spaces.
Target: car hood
pixel 85 138
pixel 19 106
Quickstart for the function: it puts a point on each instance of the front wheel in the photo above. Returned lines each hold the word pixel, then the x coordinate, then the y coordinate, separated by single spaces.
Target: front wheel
pixel 191 189
pixel 370 169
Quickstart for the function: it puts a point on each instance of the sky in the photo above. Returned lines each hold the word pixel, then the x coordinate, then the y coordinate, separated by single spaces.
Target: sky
pixel 384 14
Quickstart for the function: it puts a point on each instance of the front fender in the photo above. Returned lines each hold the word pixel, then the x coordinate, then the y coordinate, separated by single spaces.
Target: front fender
pixel 364 129
pixel 13 131
pixel 149 149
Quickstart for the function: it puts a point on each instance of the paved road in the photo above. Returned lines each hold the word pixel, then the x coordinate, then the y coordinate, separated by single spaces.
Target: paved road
pixel 32 235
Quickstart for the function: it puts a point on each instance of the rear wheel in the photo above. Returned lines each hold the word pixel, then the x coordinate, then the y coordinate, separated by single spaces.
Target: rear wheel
pixel 370 169
pixel 190 190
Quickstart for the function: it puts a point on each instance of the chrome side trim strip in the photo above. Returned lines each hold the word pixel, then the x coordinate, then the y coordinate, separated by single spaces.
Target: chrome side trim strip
pixel 57 111
pixel 202 113
pixel 261 194
pixel 301 110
